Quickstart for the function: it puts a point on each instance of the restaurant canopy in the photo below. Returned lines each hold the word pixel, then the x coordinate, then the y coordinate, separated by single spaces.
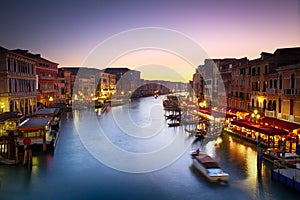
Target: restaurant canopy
pixel 34 124
pixel 47 112
pixel 289 126
pixel 216 114
pixel 271 131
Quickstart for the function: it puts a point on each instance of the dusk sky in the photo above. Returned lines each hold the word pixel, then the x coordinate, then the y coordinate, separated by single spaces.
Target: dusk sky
pixel 67 31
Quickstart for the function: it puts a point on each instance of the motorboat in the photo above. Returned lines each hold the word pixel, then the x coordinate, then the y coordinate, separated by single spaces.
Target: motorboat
pixel 272 155
pixel 209 167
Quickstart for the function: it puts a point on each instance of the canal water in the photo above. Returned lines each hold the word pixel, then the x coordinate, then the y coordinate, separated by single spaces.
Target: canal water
pixel 153 161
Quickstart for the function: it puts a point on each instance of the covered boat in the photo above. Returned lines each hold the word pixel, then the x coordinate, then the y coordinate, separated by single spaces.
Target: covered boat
pixel 209 168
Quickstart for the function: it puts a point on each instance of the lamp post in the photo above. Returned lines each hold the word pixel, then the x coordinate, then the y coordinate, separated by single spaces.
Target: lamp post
pixel 255 116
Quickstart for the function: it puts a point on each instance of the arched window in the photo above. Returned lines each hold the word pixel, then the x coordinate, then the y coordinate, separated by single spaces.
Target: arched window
pixel 293 81
pixel 279 105
pixel 271 83
pixel 280 82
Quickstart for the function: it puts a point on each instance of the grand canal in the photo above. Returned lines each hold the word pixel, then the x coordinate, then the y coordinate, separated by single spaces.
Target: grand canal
pixel 74 170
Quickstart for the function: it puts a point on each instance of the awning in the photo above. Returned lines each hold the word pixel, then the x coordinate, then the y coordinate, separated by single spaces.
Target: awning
pixel 259 128
pixel 215 114
pixel 234 110
pixel 289 126
pixel 34 124
pixel 47 112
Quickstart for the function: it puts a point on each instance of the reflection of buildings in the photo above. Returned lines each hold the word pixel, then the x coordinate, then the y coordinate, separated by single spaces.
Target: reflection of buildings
pixel 268 83
pixel 46 72
pixel 18 83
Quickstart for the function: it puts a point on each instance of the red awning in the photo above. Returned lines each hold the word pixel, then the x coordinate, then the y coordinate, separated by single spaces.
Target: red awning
pixel 280 123
pixel 216 114
pixel 259 128
pixel 234 110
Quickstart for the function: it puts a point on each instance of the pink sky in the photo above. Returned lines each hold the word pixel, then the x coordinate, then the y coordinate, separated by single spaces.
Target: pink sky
pixel 66 32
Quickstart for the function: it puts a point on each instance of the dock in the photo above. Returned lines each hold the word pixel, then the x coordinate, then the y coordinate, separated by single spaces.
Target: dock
pixel 288 176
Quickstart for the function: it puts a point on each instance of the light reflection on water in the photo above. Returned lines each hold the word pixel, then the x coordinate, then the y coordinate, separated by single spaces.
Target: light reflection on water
pixel 72 173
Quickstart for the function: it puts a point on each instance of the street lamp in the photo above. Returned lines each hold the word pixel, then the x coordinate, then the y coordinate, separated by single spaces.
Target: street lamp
pixel 255 115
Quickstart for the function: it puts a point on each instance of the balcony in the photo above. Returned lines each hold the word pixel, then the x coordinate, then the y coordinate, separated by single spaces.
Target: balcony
pixel 270 113
pixel 290 91
pixel 271 90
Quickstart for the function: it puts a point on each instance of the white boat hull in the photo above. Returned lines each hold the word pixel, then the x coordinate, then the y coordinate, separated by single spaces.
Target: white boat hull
pixel 212 177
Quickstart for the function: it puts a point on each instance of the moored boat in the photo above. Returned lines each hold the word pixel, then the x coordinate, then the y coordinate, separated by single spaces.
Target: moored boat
pixel 209 167
pixel 290 159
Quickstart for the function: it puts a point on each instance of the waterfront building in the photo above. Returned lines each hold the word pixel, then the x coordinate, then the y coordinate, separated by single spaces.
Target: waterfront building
pixel 267 84
pixel 213 81
pixel 197 85
pixel 46 73
pixel 18 82
pixel 240 85
pixel 118 72
pixel 127 81
pixel 288 92
pixel 106 85
pixel 229 73
pixel 77 83
pixel 65 79
pixel 85 84
pixel 265 79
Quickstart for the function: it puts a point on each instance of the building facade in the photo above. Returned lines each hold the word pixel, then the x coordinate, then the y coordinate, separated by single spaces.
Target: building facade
pixel 269 84
pixel 18 83
pixel 46 74
pixel 289 92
